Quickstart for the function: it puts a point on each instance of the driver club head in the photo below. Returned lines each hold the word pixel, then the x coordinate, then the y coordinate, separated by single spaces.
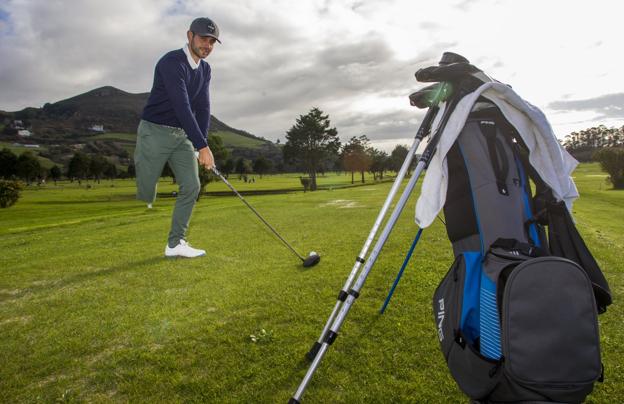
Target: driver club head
pixel 311 260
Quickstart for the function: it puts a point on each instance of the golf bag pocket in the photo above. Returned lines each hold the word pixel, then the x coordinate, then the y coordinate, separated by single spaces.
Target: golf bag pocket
pixel 550 339
pixel 513 327
pixel 455 307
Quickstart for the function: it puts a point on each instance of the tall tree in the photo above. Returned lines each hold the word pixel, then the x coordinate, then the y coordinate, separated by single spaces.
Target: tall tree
pixel 309 141
pixel 262 165
pixel 397 157
pixel 243 166
pixel 78 167
pixel 97 166
pixel 228 167
pixel 8 163
pixel 28 167
pixel 55 173
pixel 379 162
pixel 612 161
pixel 110 171
pixel 355 157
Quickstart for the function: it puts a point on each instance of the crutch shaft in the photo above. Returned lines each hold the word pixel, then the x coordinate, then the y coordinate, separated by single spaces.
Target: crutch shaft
pixel 423 131
pixel 354 292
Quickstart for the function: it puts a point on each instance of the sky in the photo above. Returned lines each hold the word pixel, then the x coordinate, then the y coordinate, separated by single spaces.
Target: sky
pixel 353 59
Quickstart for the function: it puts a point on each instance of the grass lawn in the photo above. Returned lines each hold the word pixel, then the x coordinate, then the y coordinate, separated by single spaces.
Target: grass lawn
pixel 90 311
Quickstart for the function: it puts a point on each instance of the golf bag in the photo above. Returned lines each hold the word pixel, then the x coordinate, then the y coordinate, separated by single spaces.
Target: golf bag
pixel 516 314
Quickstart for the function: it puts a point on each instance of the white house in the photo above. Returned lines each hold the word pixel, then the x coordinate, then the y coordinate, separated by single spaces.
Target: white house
pixel 97 128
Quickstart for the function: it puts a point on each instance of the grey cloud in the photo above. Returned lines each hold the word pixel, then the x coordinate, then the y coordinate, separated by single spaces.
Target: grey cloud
pixel 381 126
pixel 606 106
pixel 288 86
pixel 265 74
pixel 372 51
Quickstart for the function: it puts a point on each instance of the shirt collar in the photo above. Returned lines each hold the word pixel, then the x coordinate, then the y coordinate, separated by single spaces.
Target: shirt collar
pixel 190 59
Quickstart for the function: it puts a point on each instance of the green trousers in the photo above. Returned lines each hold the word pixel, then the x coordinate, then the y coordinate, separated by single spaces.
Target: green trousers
pixel 157 145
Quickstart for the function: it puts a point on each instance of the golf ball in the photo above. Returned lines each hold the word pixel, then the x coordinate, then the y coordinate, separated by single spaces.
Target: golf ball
pixel 312 253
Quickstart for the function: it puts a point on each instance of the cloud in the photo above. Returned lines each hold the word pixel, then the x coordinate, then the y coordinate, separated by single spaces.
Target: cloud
pixel 355 60
pixel 606 106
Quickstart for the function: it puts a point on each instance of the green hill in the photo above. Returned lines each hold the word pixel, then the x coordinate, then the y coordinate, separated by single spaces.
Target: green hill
pixel 104 121
pixel 114 109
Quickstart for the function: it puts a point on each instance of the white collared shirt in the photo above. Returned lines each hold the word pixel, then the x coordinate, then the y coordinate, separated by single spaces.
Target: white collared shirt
pixel 189 57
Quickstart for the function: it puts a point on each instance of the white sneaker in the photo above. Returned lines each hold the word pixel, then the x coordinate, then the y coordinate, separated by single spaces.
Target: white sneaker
pixel 149 205
pixel 183 249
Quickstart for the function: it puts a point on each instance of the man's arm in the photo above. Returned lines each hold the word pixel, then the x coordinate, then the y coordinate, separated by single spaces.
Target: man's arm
pixel 202 112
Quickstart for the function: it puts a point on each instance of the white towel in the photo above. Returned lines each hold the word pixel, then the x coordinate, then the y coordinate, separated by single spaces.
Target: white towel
pixel 551 161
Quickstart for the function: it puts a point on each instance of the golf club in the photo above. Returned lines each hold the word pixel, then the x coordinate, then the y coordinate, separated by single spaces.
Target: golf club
pixel 312 259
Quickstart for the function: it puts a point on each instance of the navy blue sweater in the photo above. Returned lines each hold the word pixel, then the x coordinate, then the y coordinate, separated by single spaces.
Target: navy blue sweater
pixel 179 97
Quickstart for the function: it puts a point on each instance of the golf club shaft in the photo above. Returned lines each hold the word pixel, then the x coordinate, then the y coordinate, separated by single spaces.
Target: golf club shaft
pixel 214 169
pixel 423 131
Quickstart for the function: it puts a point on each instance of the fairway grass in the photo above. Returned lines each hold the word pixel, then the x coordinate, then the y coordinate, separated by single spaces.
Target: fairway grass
pixel 90 311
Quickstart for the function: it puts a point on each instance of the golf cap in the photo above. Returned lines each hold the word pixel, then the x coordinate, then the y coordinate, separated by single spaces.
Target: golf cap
pixel 203 26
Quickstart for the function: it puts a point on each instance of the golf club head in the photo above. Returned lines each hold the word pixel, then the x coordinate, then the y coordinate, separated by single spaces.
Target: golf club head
pixel 431 95
pixel 311 260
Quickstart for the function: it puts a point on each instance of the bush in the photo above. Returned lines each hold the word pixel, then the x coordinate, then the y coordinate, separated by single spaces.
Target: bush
pixel 9 192
pixel 612 162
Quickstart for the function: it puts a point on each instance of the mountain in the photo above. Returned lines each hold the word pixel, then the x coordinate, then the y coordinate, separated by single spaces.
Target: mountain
pixel 114 109
pixel 103 121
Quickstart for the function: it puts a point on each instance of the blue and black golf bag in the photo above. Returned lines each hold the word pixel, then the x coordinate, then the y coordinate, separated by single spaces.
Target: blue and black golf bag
pixel 516 314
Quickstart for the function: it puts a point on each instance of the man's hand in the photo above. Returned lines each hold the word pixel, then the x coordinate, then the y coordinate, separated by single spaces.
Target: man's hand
pixel 206 158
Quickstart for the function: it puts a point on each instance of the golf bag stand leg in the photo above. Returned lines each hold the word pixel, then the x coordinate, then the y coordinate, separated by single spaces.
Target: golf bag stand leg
pixel 423 131
pixel 400 274
pixel 354 293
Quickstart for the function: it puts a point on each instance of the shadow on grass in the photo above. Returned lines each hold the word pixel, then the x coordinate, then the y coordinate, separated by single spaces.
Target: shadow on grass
pixel 80 277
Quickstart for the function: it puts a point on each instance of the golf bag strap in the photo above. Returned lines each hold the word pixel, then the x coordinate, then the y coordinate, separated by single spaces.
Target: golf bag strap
pixel 564 239
pixel 511 244
pixel 498 158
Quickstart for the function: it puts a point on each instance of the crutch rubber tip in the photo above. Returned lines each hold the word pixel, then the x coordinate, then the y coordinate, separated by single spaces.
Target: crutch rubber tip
pixel 293 401
pixel 312 353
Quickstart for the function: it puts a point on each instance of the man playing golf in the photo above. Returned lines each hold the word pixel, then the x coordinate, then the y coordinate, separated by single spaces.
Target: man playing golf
pixel 174 124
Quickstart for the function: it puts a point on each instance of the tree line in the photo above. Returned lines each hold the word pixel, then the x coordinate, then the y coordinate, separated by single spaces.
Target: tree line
pixel 584 143
pixel 311 146
pixel 81 166
pixel 603 145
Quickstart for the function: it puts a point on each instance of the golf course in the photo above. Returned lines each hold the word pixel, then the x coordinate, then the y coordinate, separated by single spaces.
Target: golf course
pixel 91 311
